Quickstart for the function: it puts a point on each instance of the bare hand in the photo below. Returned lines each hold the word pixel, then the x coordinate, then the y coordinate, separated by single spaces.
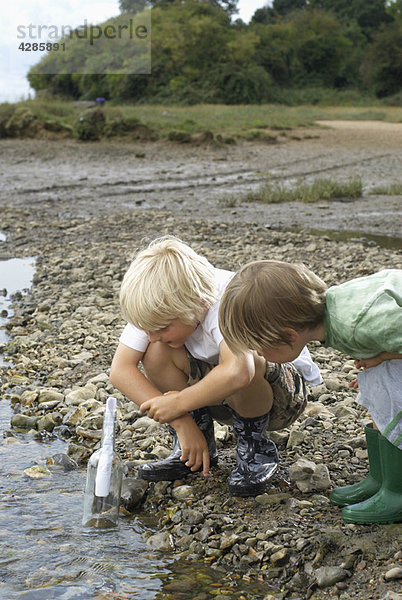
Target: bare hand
pixel 354 384
pixel 163 409
pixel 367 363
pixel 194 447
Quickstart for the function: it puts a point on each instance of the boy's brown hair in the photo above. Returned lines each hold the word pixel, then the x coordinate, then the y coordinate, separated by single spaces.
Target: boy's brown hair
pixel 266 297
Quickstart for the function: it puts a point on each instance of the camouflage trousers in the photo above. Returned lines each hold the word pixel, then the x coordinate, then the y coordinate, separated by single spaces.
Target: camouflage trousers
pixel 290 393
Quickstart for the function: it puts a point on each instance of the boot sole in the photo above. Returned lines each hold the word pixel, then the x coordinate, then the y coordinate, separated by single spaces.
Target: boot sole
pixel 252 489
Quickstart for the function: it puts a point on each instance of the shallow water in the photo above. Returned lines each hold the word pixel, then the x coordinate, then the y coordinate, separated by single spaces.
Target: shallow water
pixel 45 553
pixel 15 274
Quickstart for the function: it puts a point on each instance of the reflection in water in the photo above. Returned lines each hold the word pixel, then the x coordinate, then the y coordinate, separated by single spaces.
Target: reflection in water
pixel 15 274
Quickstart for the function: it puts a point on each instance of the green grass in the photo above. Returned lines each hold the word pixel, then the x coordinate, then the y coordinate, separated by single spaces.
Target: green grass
pixel 394 189
pixel 250 122
pixel 320 189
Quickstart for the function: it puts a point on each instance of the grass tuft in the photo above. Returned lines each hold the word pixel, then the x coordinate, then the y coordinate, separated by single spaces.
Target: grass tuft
pixel 321 189
pixel 394 189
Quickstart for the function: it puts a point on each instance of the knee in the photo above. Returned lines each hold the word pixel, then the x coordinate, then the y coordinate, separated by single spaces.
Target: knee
pixel 155 356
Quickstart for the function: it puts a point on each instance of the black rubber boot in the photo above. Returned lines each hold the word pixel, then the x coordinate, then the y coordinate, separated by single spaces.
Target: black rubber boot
pixel 257 457
pixel 172 467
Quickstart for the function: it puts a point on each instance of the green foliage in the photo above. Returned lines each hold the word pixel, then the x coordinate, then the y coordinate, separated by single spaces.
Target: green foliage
pixel 199 55
pixel 382 67
pixel 89 126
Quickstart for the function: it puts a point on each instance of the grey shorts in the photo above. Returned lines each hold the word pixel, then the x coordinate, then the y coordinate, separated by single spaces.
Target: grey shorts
pixel 288 386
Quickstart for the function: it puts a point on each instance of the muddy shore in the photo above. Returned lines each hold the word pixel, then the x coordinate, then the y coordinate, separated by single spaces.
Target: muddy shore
pixel 82 209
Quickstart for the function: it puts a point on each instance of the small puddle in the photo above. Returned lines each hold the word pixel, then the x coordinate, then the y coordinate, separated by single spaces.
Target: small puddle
pixel 384 241
pixel 16 275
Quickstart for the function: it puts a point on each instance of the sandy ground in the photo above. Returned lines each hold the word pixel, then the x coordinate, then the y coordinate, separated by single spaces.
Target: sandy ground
pixel 66 176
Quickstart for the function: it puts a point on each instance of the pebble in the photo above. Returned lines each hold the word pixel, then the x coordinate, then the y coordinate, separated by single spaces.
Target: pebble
pixel 328 576
pixel 37 472
pixel 395 573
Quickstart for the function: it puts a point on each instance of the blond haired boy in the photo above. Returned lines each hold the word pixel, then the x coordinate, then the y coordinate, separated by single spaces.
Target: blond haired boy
pixel 170 297
pixel 276 308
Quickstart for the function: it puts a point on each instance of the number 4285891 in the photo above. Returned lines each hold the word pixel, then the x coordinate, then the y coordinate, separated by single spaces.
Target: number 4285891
pixel 42 47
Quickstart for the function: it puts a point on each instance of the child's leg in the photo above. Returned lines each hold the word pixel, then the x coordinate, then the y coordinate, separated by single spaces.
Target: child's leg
pixel 274 399
pixel 170 369
pixel 352 494
pixel 167 368
pixel 386 505
pixel 381 393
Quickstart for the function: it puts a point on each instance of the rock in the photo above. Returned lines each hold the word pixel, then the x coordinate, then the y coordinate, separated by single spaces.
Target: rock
pixel 328 576
pixel 183 492
pixel 145 424
pixel 394 573
pixel 227 541
pixel 161 452
pixel 90 124
pixel 308 476
pixel 37 472
pixel 62 460
pixel 77 396
pixel 75 415
pixel 392 596
pixel 296 438
pixel 46 423
pixel 101 378
pixel 333 384
pixel 89 434
pixel 20 421
pixel 280 558
pixel 316 408
pixel 48 395
pixel 78 452
pixel 192 517
pixel 28 398
pixel 160 541
pixel 132 493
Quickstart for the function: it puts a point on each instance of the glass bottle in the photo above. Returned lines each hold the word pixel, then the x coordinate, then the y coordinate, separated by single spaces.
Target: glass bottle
pixel 104 477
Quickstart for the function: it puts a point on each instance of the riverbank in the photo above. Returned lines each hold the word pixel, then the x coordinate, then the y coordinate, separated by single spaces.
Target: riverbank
pixel 82 211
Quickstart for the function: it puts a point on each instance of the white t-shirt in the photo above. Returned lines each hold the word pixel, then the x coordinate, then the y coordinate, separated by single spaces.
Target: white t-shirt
pixel 204 342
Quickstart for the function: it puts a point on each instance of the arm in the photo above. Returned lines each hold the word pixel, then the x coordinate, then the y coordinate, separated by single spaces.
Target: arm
pixel 126 376
pixel 230 375
pixel 367 363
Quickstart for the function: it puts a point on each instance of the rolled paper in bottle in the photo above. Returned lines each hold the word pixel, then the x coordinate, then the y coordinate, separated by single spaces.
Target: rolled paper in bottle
pixel 104 471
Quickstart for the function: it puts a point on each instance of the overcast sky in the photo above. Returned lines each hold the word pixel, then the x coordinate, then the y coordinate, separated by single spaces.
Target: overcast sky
pixel 14 64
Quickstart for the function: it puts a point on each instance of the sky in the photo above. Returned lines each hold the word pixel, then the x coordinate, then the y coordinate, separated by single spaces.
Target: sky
pixel 17 15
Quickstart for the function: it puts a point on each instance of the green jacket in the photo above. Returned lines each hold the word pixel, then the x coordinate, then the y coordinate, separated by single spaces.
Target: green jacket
pixel 363 317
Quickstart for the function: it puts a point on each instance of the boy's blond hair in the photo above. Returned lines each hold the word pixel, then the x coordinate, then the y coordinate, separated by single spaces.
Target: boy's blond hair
pixel 266 297
pixel 165 281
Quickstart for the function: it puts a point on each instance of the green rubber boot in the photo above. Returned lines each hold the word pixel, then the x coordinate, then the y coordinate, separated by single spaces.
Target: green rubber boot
pixel 386 505
pixel 352 494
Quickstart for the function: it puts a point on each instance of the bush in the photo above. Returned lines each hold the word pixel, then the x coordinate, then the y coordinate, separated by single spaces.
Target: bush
pixel 90 124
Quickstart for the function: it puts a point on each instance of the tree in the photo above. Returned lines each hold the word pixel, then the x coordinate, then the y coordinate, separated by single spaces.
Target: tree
pixel 382 67
pixel 133 6
pixel 369 14
pixel 284 7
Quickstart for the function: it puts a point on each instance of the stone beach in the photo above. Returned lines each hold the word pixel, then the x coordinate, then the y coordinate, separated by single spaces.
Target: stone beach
pixel 62 339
